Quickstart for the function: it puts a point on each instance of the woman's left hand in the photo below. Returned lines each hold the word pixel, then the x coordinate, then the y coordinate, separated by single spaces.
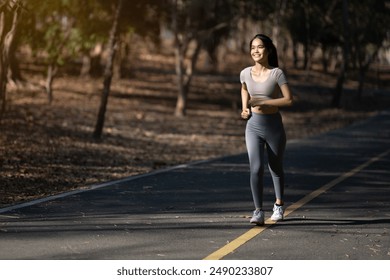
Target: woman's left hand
pixel 256 102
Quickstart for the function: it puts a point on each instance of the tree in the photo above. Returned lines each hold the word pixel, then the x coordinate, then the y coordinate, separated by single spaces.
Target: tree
pixel 193 23
pixel 57 36
pixel 14 75
pixel 119 24
pixel 61 31
pixel 9 15
pixel 344 66
pixel 368 35
pixel 363 36
pixel 47 27
pixel 108 71
pixel 308 22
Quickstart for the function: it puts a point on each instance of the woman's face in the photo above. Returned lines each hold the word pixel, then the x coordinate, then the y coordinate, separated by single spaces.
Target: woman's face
pixel 258 51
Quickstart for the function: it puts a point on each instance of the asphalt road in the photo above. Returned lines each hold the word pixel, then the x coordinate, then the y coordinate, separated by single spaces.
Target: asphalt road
pixel 337 198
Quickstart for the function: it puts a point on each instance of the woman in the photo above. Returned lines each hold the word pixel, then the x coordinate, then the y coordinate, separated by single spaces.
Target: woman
pixel 262 84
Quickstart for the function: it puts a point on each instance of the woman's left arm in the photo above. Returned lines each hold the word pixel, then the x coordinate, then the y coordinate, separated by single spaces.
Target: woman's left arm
pixel 284 101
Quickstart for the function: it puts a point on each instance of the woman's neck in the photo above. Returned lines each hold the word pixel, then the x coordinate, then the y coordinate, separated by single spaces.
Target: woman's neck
pixel 261 68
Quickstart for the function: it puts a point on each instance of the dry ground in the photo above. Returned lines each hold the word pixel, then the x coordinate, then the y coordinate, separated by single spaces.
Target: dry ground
pixel 47 149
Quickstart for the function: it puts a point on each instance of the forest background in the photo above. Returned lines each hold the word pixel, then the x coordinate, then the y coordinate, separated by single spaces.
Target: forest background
pixel 97 90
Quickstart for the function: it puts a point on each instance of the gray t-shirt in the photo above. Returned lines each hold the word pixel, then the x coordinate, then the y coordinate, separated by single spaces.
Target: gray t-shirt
pixel 264 89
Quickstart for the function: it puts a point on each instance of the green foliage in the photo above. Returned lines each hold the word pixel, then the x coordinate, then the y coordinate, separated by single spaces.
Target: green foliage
pixel 64 29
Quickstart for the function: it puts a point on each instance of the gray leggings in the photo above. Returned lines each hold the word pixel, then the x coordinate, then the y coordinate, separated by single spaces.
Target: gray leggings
pixel 265 131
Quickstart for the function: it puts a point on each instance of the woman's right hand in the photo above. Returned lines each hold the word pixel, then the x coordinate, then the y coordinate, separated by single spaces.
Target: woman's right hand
pixel 245 114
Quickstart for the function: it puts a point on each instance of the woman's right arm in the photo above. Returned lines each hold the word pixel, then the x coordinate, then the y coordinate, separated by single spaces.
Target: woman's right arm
pixel 245 102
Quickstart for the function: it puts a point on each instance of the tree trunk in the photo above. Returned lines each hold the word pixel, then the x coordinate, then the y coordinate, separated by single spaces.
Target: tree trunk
pixel 118 61
pixel 53 66
pixel 108 72
pixel 344 67
pixel 362 77
pixel 339 87
pixel 281 6
pixel 14 75
pixel 191 67
pixel 180 50
pixel 51 73
pixel 3 64
pixel 8 25
pixel 325 58
pixel 295 53
pixel 363 69
pixel 181 102
pixel 181 44
pixel 85 70
pixel 307 43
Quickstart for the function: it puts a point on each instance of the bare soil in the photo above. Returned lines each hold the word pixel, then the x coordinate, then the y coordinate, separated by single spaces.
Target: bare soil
pixel 48 149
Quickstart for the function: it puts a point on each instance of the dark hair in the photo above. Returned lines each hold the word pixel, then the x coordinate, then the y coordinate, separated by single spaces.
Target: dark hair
pixel 270 47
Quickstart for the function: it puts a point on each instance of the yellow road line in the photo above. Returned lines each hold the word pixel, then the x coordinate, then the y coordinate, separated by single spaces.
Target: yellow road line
pixel 241 240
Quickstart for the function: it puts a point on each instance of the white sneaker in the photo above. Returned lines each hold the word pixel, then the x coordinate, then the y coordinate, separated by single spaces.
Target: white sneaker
pixel 258 217
pixel 278 213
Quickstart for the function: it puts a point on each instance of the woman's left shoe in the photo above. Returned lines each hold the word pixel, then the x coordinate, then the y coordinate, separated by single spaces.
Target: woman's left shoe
pixel 278 214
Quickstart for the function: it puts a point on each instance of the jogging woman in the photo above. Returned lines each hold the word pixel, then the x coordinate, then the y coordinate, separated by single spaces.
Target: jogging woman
pixel 264 89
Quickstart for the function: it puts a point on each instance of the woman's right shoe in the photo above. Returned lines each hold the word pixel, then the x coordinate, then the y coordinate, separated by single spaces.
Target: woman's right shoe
pixel 258 217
